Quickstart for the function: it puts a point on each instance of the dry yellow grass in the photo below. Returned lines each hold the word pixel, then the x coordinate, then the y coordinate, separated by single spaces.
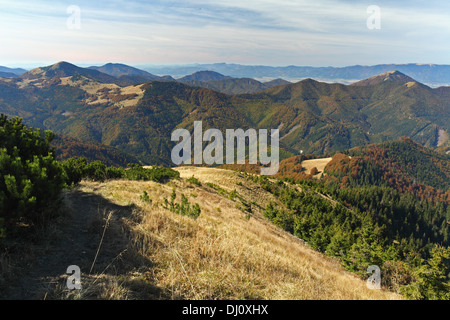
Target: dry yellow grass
pixel 88 85
pixel 443 137
pixel 223 254
pixel 92 87
pixel 320 164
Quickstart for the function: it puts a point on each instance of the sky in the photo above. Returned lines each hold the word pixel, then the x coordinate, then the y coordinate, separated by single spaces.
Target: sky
pixel 251 32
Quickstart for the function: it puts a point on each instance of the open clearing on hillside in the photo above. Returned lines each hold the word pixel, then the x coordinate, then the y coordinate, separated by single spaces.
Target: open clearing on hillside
pixel 98 89
pixel 149 252
pixel 320 164
pixel 442 137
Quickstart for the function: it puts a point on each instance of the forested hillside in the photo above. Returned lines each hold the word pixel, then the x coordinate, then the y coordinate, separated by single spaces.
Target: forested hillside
pixel 313 117
pixel 66 148
pixel 403 165
pixel 385 204
pixel 406 237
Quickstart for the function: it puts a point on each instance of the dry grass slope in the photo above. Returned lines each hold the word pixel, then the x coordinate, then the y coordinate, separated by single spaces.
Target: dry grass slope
pixel 223 254
pixel 130 247
pixel 320 164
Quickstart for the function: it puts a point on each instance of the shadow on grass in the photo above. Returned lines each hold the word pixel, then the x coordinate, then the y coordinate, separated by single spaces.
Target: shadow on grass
pixel 93 234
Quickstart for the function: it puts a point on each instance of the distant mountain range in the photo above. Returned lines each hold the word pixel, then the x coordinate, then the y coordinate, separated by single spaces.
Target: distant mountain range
pixel 129 75
pixel 124 75
pixel 138 119
pixel 9 72
pixel 218 82
pixel 430 74
pixel 7 75
pixel 204 76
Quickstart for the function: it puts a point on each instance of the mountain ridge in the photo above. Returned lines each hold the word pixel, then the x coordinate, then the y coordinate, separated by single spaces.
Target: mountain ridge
pixel 66 69
pixel 314 117
pixel 15 71
pixel 204 75
pixel 430 74
pixel 118 69
pixel 393 75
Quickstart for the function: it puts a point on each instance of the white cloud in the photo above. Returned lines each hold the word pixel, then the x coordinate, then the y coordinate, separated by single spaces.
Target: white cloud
pixel 280 32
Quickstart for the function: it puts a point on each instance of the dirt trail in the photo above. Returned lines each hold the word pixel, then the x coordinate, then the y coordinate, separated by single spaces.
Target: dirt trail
pixel 77 245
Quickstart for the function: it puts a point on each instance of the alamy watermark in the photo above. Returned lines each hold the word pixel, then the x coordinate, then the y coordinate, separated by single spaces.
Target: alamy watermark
pixel 374 20
pixel 374 281
pixel 74 280
pixel 258 149
pixel 74 20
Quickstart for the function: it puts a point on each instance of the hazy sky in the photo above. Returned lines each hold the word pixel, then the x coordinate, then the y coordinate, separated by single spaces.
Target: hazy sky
pixel 269 32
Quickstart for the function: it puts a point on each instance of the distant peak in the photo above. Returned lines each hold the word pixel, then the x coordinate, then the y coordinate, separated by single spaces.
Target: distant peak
pixel 394 75
pixel 309 81
pixel 61 68
pixel 208 72
pixel 62 64
pixel 206 75
pixel 112 64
